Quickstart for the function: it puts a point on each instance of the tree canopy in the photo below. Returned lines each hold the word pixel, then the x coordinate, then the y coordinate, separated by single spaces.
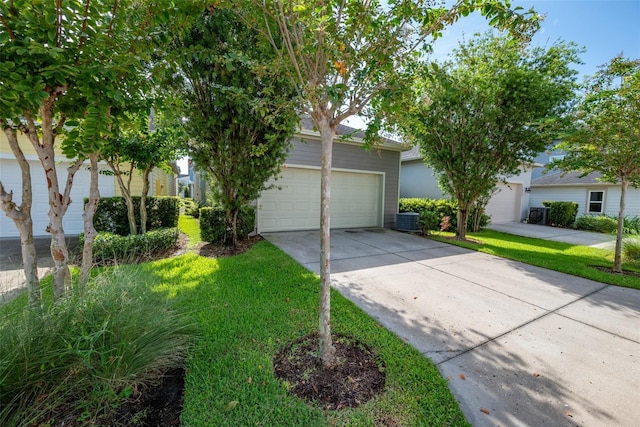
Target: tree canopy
pixel 490 108
pixel 239 108
pixel 605 136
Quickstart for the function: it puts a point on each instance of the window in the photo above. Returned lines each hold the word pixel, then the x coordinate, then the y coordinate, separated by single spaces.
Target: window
pixel 556 157
pixel 596 202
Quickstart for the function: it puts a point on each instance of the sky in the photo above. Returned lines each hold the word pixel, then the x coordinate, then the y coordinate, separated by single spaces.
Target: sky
pixel 604 28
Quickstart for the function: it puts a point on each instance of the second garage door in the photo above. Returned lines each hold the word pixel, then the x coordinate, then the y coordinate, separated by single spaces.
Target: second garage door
pixel 504 206
pixel 356 201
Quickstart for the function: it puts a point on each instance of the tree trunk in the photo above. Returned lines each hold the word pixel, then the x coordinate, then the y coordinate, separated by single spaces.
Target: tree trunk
pixel 463 216
pixel 327 350
pixel 232 228
pixel 143 198
pixel 21 216
pixel 617 262
pixel 126 194
pixel 90 232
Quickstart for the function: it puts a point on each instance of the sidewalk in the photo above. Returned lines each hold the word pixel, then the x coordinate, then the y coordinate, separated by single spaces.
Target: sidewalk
pixel 567 235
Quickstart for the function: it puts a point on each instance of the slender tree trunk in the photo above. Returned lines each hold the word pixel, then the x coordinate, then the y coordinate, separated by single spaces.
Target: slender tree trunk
pixel 21 216
pixel 125 189
pixel 90 232
pixel 617 262
pixel 327 350
pixel 232 227
pixel 143 198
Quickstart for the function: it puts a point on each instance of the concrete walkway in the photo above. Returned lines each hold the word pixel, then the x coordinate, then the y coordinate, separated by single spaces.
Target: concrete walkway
pixel 531 347
pixel 567 235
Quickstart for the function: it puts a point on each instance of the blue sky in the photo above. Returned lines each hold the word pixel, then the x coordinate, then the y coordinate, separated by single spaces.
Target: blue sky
pixel 603 27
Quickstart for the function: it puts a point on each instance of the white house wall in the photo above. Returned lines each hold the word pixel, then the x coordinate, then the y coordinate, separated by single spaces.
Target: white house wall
pixel 72 222
pixel 580 194
pixel 416 180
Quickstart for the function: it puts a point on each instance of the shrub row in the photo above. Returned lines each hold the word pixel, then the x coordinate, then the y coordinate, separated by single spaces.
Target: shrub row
pixel 111 248
pixel 597 223
pixel 213 228
pixel 111 215
pixel 191 207
pixel 442 208
pixel 561 214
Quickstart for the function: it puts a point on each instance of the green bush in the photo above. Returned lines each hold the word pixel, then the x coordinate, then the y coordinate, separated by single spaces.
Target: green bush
pixel 562 214
pixel 73 362
pixel 191 207
pixel 599 223
pixel 631 225
pixel 112 248
pixel 428 221
pixel 111 215
pixel 213 228
pixel 631 250
pixel 442 208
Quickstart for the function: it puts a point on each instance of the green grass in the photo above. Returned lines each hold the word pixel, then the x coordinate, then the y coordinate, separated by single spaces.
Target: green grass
pixel 191 227
pixel 247 307
pixel 576 260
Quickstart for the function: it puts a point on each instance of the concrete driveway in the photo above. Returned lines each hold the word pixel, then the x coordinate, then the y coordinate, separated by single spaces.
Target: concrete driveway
pixel 527 345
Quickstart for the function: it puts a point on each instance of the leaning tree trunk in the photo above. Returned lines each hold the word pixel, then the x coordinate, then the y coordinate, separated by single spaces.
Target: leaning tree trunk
pixel 21 216
pixel 617 261
pixel 125 189
pixel 327 350
pixel 90 209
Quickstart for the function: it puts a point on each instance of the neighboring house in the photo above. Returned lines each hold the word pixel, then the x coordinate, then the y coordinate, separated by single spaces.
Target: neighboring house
pixel 545 157
pixel 509 203
pixel 592 196
pixel 364 184
pixel 162 184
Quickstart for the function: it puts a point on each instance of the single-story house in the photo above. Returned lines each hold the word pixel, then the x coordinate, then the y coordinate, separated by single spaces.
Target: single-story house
pixel 592 195
pixel 364 184
pixel 509 203
pixel 162 184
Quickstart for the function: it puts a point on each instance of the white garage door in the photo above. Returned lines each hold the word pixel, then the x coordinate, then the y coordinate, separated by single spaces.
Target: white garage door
pixel 356 201
pixel 504 206
pixel 11 177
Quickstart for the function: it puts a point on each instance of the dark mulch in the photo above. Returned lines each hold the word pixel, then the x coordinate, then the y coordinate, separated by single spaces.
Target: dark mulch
pixel 610 270
pixel 159 405
pixel 218 251
pixel 357 377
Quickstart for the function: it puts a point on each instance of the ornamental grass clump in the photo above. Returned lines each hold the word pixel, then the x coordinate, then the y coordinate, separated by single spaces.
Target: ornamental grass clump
pixel 77 360
pixel 631 250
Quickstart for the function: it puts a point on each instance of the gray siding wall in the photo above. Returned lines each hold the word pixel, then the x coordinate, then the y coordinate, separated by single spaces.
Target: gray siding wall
pixel 353 157
pixel 580 195
pixel 417 180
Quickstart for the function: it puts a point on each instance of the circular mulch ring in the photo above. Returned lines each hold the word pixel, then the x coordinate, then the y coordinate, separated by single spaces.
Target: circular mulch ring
pixel 358 375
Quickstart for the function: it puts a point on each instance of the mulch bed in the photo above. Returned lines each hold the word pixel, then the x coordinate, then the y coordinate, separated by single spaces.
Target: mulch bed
pixel 610 270
pixel 358 376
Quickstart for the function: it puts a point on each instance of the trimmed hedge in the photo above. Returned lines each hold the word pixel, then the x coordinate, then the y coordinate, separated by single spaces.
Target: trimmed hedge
pixel 562 214
pixel 111 248
pixel 442 208
pixel 213 228
pixel 191 207
pixel 599 223
pixel 111 215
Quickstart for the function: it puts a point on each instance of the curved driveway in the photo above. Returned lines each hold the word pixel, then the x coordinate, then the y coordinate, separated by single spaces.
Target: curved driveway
pixel 520 345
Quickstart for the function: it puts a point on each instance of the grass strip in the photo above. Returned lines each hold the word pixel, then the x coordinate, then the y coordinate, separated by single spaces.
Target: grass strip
pixel 576 260
pixel 248 307
pixel 191 227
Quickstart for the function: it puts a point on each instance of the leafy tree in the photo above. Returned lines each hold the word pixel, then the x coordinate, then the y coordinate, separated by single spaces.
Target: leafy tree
pixel 482 114
pixel 52 53
pixel 238 112
pixel 606 135
pixel 140 146
pixel 354 57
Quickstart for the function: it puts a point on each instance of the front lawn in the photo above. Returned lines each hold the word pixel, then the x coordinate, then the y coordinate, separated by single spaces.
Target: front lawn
pixel 247 307
pixel 564 257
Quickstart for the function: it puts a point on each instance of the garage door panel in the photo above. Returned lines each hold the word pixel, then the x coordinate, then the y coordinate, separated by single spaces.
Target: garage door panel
pixel 356 201
pixel 504 206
